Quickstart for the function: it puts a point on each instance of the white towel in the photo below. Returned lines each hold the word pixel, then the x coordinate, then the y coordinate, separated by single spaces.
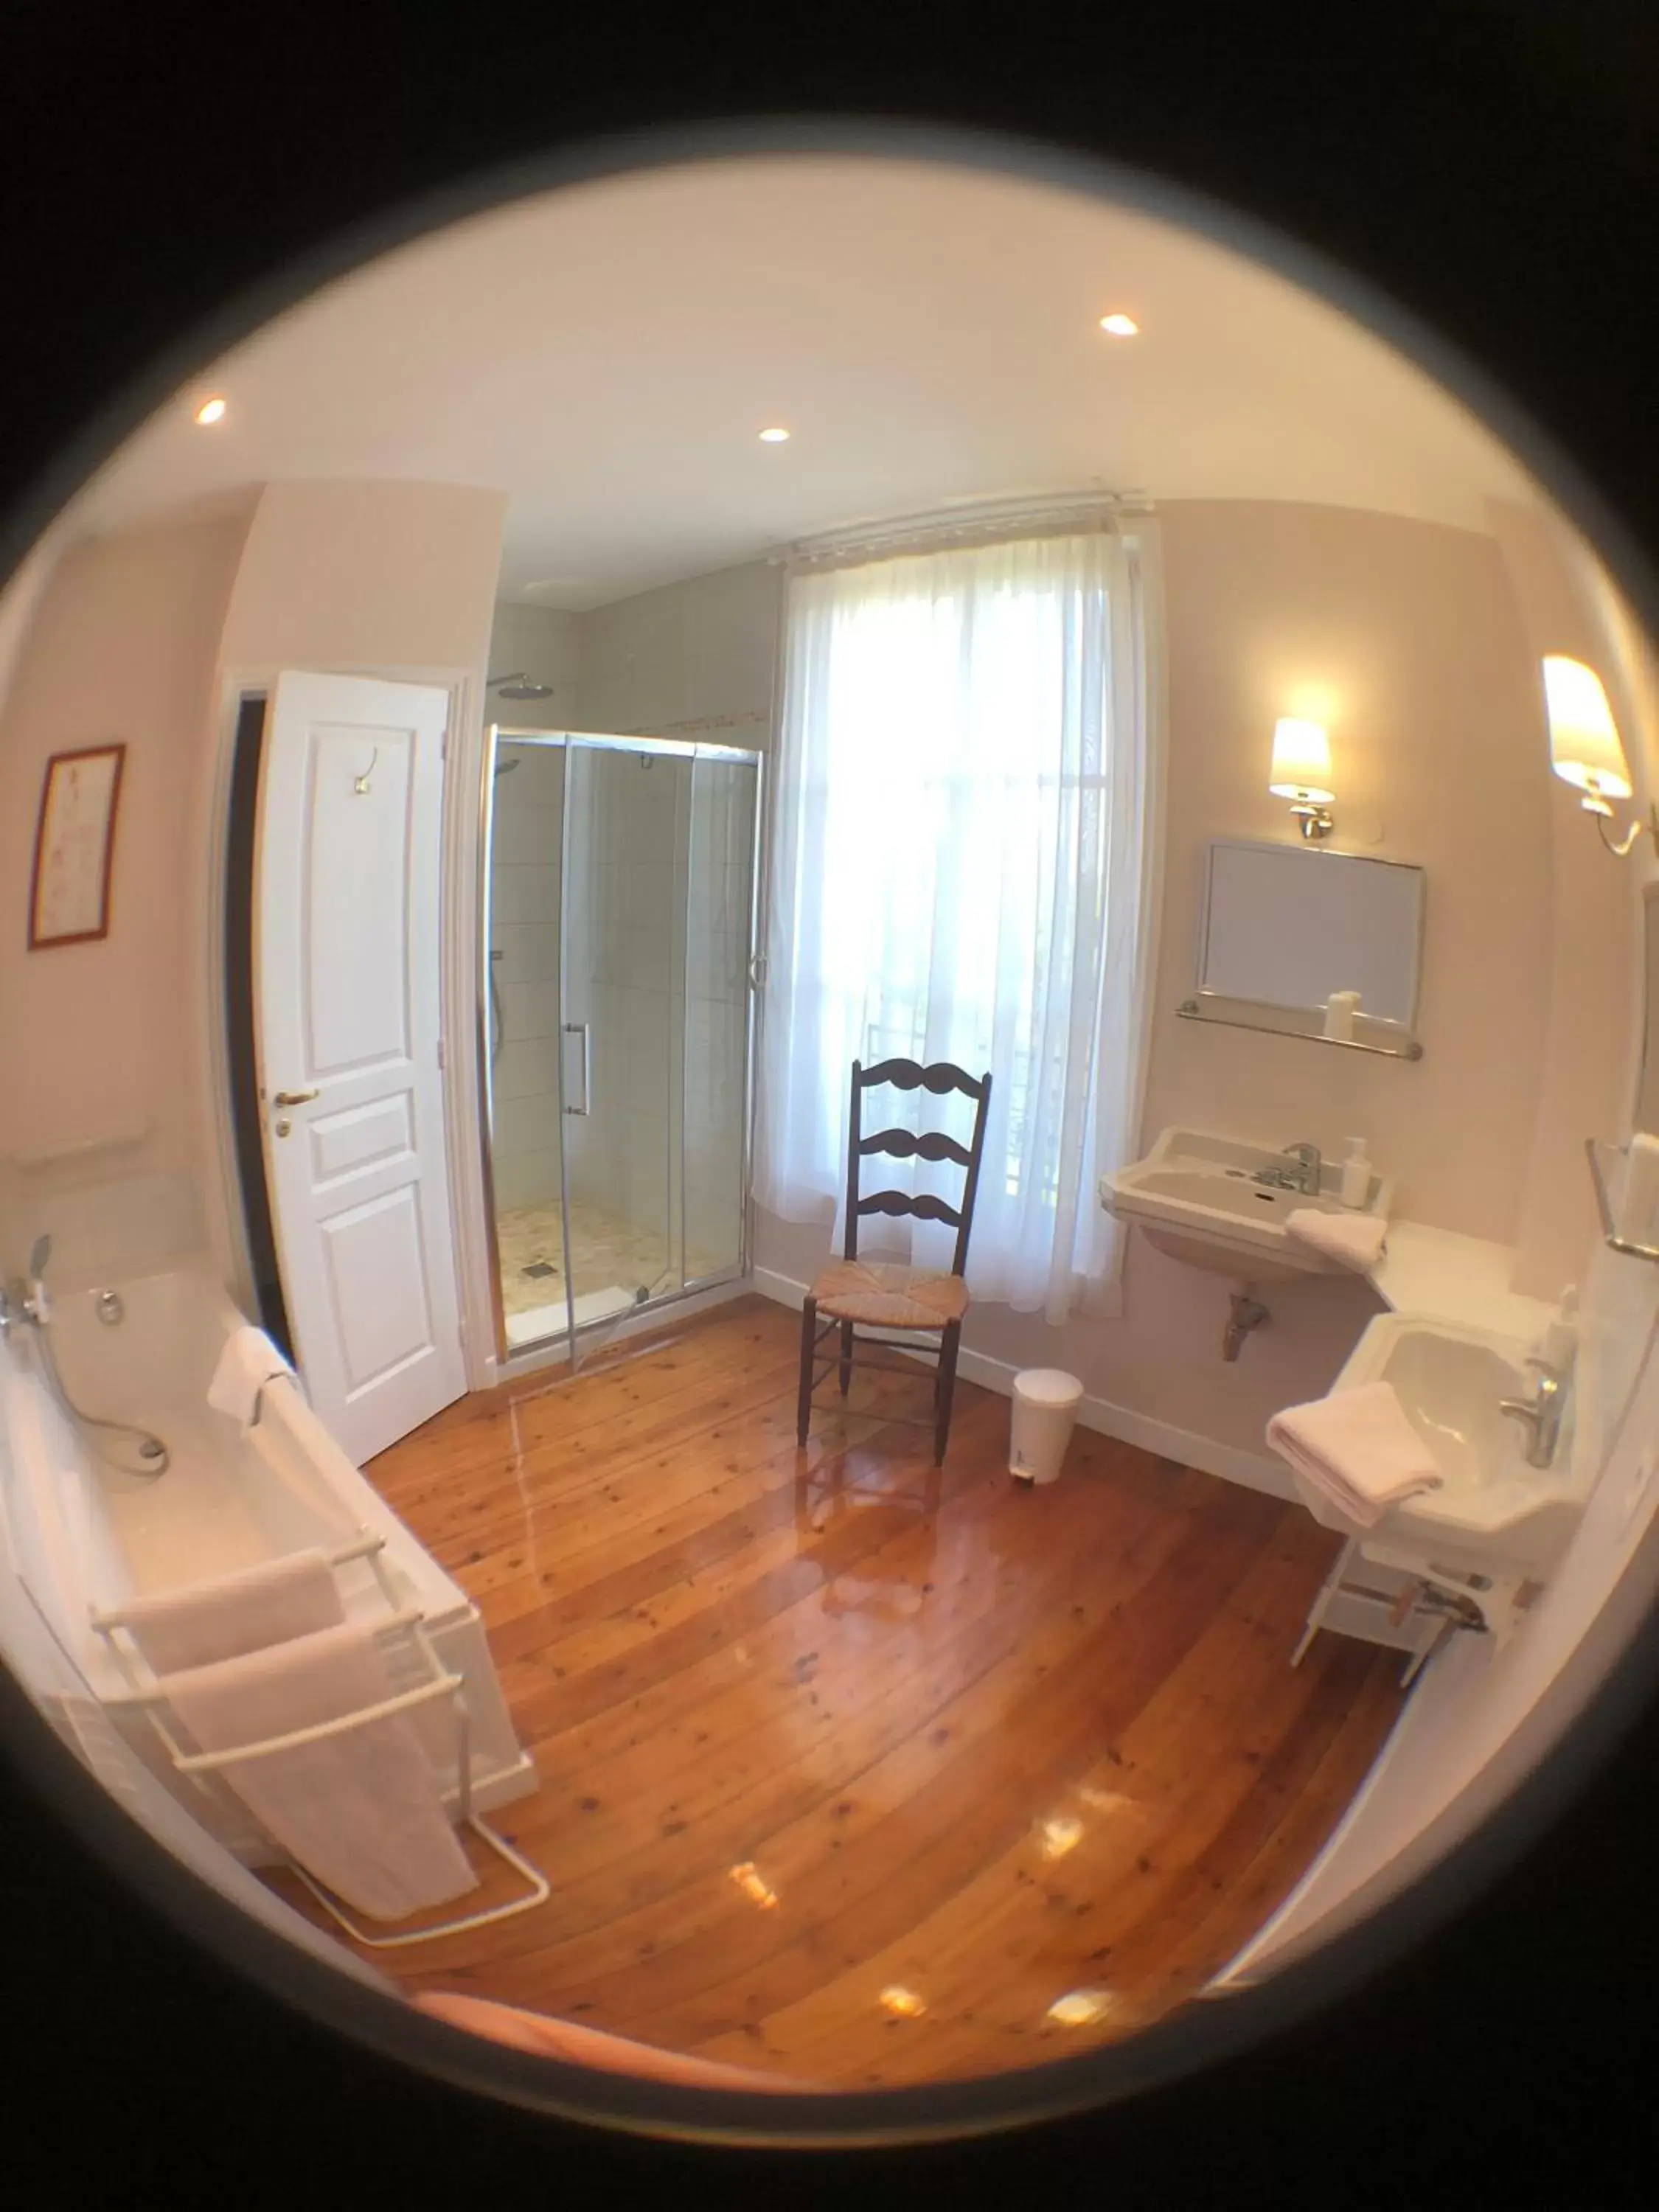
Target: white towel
pixel 1356 1239
pixel 1358 1446
pixel 201 1622
pixel 361 1811
pixel 248 1361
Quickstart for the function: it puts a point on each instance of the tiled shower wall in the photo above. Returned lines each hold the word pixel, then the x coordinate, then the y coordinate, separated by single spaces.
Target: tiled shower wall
pixel 658 911
pixel 720 891
pixel 625 906
pixel 524 926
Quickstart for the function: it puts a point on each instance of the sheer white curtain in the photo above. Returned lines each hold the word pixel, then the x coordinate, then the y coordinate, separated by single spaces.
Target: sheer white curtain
pixel 962 869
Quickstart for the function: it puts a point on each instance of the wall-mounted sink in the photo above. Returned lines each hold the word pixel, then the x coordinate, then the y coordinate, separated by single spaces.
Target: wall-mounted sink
pixel 1493 1512
pixel 1196 1198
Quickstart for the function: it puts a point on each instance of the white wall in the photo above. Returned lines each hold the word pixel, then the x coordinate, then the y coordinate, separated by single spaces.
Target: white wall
pixel 135 635
pixel 690 659
pixel 1481 1717
pixel 376 578
pixel 104 1038
pixel 1592 973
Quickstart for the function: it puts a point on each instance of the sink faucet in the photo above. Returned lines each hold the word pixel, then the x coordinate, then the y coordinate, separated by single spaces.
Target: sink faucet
pixel 1303 1177
pixel 1540 1413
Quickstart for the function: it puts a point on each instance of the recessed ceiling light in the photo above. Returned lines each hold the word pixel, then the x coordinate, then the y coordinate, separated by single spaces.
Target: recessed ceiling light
pixel 773 437
pixel 211 410
pixel 1120 326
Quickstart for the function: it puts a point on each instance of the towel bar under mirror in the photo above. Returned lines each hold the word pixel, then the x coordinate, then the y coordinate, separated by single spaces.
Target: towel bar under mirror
pixel 1593 1147
pixel 1386 1039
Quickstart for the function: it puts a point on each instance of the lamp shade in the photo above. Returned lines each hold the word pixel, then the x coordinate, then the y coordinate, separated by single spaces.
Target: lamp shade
pixel 1584 747
pixel 1302 763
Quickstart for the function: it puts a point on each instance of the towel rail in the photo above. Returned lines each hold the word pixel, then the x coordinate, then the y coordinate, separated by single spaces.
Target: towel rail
pixel 366 1546
pixel 395 1626
pixel 205 1769
pixel 208 1762
pixel 1593 1146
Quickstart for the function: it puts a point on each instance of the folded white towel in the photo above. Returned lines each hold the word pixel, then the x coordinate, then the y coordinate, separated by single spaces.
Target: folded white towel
pixel 361 1811
pixel 1356 1239
pixel 248 1361
pixel 1358 1447
pixel 201 1622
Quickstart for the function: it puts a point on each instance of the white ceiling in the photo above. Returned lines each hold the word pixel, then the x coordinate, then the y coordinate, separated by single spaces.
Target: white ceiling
pixel 607 355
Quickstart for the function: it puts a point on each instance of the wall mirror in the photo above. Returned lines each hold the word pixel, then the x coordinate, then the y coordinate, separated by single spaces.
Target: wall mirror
pixel 523 641
pixel 1310 944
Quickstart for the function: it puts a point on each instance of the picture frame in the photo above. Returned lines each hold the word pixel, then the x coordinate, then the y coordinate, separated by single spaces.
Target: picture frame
pixel 75 846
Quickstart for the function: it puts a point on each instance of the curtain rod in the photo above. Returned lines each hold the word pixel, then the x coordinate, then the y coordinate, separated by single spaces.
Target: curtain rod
pixel 992 519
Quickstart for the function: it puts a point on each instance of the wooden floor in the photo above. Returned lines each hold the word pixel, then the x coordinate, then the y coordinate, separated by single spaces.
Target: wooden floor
pixel 851 1769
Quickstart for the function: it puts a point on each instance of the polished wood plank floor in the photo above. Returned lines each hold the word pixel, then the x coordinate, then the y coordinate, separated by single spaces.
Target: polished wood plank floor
pixel 852 1768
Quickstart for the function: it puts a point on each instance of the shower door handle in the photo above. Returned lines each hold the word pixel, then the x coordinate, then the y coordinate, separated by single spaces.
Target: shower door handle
pixel 579 1029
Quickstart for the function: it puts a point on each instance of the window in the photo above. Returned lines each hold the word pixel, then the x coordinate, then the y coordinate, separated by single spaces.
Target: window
pixel 959 873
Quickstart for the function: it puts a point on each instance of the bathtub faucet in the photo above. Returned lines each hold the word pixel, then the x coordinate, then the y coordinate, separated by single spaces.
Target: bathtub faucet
pixel 27 1302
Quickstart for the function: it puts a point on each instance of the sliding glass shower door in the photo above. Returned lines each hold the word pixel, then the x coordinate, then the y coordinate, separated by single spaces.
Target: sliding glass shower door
pixel 625 890
pixel 619 1084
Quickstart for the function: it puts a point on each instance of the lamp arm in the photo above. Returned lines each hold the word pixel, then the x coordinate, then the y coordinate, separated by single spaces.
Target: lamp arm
pixel 1622 848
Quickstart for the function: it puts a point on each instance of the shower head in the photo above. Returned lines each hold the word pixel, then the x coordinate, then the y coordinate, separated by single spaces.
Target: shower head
pixel 39 1257
pixel 504 768
pixel 519 686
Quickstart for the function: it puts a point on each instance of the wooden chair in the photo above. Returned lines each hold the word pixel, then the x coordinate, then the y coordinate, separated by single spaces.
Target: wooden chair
pixel 924 1306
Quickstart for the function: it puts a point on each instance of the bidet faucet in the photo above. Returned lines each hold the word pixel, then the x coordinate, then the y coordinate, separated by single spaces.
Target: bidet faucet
pixel 1541 1414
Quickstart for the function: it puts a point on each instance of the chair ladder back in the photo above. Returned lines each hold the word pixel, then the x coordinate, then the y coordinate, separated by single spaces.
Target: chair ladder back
pixel 939 1078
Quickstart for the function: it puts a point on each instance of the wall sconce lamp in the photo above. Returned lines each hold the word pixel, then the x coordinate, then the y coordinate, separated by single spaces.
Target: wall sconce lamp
pixel 1584 747
pixel 1301 771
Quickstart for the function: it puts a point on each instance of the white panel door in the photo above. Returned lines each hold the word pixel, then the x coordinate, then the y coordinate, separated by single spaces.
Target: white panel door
pixel 347 1018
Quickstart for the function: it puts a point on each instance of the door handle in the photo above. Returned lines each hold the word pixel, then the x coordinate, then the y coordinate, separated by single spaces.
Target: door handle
pixel 579 1029
pixel 294 1098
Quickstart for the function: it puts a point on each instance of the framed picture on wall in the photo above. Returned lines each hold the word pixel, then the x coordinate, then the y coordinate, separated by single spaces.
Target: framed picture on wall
pixel 75 846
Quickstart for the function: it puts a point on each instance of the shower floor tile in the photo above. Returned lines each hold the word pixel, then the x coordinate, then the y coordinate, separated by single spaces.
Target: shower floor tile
pixel 606 1251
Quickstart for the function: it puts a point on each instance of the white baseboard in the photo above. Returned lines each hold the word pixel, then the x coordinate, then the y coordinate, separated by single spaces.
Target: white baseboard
pixel 1253 1470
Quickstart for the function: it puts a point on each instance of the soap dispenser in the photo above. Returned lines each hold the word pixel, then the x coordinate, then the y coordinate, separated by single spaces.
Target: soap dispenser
pixel 1356 1185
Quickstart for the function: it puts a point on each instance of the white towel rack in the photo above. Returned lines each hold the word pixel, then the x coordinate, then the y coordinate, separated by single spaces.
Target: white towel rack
pixel 1593 1147
pixel 203 1768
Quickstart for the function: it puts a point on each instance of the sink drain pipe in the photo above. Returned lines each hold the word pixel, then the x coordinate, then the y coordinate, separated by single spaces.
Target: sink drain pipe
pixel 1247 1312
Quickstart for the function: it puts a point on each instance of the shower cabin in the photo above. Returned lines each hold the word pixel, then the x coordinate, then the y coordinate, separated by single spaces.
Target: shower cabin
pixel 620 891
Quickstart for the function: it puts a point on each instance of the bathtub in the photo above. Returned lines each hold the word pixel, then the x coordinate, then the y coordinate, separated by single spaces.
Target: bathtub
pixel 83 1537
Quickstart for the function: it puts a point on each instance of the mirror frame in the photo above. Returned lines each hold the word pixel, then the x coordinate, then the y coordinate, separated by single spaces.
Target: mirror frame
pixel 1373 1033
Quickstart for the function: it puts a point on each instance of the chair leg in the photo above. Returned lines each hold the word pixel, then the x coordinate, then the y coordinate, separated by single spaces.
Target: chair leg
pixel 947 1383
pixel 846 1357
pixel 808 1324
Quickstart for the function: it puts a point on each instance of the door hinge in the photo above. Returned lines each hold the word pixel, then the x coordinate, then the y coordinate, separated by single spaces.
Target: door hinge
pixel 440 1053
pixel 443 746
pixel 460 1332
